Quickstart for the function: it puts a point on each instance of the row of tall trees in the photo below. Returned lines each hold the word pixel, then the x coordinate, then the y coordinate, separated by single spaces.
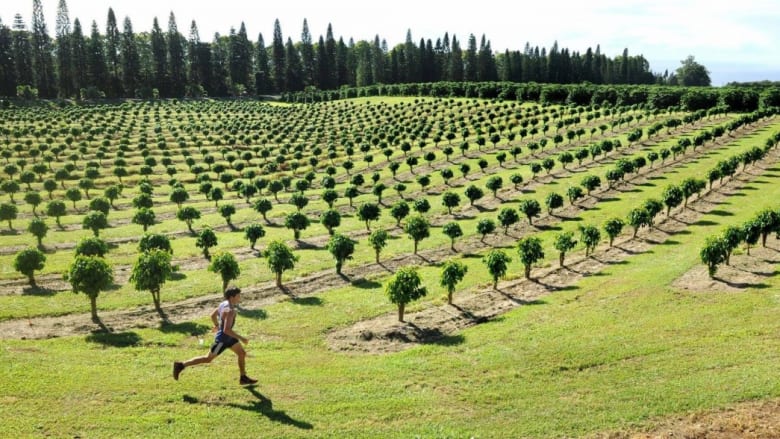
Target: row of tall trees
pixel 117 63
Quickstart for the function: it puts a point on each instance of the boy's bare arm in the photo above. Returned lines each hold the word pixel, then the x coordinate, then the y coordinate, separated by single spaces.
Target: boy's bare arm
pixel 214 319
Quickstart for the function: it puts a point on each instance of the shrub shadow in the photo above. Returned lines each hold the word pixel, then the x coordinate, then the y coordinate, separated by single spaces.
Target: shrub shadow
pixel 117 340
pixel 38 291
pixel 184 328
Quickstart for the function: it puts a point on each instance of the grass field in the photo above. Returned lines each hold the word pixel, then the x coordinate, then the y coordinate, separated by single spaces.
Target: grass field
pixel 619 350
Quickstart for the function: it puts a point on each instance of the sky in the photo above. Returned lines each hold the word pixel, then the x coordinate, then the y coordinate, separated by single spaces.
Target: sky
pixel 734 40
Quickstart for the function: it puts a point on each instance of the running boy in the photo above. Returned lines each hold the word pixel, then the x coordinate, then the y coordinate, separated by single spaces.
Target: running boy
pixel 223 317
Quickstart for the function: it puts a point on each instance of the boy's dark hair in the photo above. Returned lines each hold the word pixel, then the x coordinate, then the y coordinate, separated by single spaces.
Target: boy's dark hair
pixel 232 291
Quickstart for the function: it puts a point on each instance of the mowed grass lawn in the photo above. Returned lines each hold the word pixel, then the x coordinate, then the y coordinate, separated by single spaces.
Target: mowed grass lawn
pixel 619 350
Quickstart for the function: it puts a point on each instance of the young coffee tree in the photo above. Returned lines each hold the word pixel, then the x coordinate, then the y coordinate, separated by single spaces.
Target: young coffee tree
pixel 613 227
pixel 497 263
pixel 368 212
pixel 713 253
pixel 206 240
pixel 151 241
pixel 144 217
pixel 330 218
pixel 296 221
pixel 405 287
pixel 28 261
pixel 378 240
pixel 57 209
pixel 452 272
pixel 150 271
pixel 226 265
pixel 90 275
pixel 418 228
pixel 590 236
pixel 280 258
pixel 453 231
pixel 485 226
pixel 92 246
pixel 342 248
pixel 530 208
pixel 252 233
pixel 95 221
pixel 564 242
pixel 530 250
pixel 39 229
pixel 188 215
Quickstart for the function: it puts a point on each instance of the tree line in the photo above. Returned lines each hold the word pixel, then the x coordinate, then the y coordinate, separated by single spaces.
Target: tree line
pixel 123 63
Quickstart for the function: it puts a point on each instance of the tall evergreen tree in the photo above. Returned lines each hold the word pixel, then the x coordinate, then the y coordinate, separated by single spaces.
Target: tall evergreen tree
pixel 471 69
pixel 378 54
pixel 455 66
pixel 324 68
pixel 486 70
pixel 278 63
pixel 131 63
pixel 343 63
pixel 43 64
pixel 198 68
pixel 22 50
pixel 293 67
pixel 263 83
pixel 7 69
pixel 64 53
pixel 308 61
pixel 363 69
pixel 97 74
pixel 159 60
pixel 176 59
pixel 78 58
pixel 331 76
pixel 113 60
pixel 241 58
pixel 219 67
pixel 411 58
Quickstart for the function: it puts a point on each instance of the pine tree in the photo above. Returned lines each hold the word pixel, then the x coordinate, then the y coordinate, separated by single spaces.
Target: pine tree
pixel 97 74
pixel 113 61
pixel 64 53
pixel 22 50
pixel 331 75
pixel 43 64
pixel 7 70
pixel 159 60
pixel 343 62
pixel 176 57
pixel 411 58
pixel 293 68
pixel 131 64
pixel 456 62
pixel 278 62
pixel 486 70
pixel 219 67
pixel 323 66
pixel 194 73
pixel 262 68
pixel 78 58
pixel 307 57
pixel 240 58
pixel 378 53
pixel 471 69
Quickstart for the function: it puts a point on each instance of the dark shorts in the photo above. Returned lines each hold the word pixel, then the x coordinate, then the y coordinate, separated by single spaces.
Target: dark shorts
pixel 221 344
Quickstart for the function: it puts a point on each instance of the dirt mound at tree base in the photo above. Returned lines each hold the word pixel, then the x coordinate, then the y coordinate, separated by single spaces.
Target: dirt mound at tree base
pixel 743 272
pixel 749 420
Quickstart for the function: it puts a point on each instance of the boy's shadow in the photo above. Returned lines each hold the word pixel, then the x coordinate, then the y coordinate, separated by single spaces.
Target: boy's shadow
pixel 262 405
